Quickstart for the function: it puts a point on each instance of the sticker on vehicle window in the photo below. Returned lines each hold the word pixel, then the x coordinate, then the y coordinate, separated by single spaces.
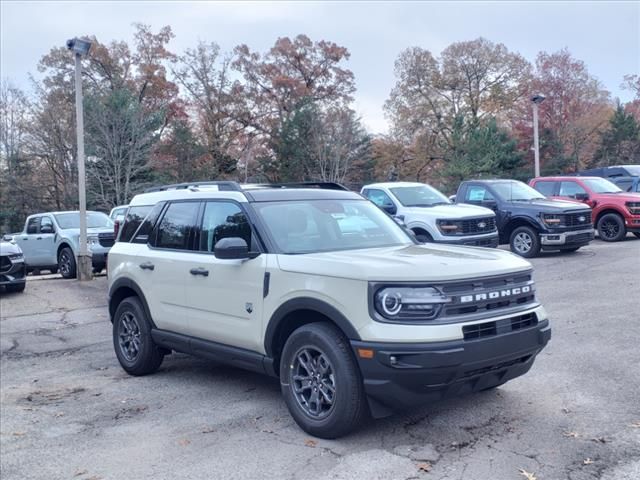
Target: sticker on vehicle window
pixel 476 195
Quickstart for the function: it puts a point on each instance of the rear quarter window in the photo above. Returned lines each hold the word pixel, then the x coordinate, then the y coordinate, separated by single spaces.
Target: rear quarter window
pixel 135 217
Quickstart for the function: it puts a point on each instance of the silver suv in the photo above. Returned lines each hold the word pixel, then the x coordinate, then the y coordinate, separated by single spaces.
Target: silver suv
pixel 317 286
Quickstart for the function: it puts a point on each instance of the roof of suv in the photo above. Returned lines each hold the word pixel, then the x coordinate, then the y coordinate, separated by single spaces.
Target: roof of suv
pixel 566 177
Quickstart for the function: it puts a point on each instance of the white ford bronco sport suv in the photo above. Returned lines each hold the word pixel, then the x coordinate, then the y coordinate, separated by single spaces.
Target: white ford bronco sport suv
pixel 432 216
pixel 319 287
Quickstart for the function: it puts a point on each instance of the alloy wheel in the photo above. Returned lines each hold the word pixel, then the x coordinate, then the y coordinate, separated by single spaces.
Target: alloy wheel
pixel 64 263
pixel 522 242
pixel 313 382
pixel 609 229
pixel 129 336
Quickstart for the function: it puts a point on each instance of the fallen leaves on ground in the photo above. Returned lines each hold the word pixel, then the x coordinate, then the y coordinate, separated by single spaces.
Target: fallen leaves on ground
pixel 599 439
pixel 19 434
pixel 527 475
pixel 184 442
pixel 208 430
pixel 80 472
pixel 570 434
pixel 310 443
pixel 587 461
pixel 635 425
pixel 424 466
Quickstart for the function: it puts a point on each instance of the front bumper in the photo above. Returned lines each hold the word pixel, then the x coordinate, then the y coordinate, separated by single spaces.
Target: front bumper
pixel 490 240
pixel 567 239
pixel 14 275
pixel 401 375
pixel 632 223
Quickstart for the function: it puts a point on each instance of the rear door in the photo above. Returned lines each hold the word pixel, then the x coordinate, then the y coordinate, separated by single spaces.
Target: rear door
pixel 225 297
pixel 162 265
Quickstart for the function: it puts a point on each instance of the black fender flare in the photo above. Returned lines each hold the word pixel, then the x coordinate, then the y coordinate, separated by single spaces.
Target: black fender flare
pixel 125 282
pixel 306 303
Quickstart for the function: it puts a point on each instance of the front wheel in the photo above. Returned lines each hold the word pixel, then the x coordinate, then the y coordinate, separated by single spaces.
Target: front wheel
pixel 136 351
pixel 321 382
pixel 611 228
pixel 525 242
pixel 637 234
pixel 16 288
pixel 67 263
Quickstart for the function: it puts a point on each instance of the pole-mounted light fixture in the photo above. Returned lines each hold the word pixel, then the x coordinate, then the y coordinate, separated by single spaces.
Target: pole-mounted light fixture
pixel 537 99
pixel 79 46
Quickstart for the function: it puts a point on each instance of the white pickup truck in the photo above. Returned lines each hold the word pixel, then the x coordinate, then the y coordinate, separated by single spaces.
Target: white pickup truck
pixel 432 216
pixel 50 241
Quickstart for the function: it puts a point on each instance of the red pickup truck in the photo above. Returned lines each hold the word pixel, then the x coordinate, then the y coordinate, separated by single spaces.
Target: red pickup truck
pixel 615 212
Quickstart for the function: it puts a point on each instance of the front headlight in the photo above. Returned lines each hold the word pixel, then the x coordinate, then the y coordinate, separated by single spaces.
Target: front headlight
pixel 409 303
pixel 634 207
pixel 16 257
pixel 551 219
pixel 449 227
pixel 93 240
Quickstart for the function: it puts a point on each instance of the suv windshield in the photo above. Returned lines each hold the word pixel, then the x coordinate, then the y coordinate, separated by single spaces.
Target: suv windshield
pixel 422 196
pixel 600 185
pixel 309 226
pixel 94 220
pixel 516 191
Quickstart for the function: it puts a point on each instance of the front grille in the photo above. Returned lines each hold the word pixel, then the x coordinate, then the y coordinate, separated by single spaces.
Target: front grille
pixel 106 239
pixel 577 219
pixel 5 263
pixel 580 238
pixel 489 295
pixel 478 225
pixel 506 325
pixel 499 366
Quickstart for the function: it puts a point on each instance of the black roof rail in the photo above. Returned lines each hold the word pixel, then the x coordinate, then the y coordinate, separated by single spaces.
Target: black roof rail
pixel 223 186
pixel 321 185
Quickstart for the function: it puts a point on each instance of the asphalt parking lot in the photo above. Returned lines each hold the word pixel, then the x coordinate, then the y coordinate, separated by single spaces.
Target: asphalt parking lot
pixel 68 411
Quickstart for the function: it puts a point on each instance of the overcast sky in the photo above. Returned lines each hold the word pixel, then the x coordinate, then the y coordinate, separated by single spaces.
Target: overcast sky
pixel 605 35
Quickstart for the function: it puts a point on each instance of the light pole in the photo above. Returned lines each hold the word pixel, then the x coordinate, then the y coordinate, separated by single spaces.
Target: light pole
pixel 537 100
pixel 81 48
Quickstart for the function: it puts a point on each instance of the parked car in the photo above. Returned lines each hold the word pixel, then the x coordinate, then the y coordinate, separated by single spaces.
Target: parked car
pixel 51 241
pixel 614 212
pixel 612 171
pixel 322 289
pixel 627 184
pixel 117 215
pixel 13 272
pixel 528 221
pixel 431 215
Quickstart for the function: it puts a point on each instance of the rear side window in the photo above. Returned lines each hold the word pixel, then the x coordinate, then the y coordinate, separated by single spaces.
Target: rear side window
pixel 570 189
pixel 143 233
pixel 625 184
pixel 33 225
pixel 135 217
pixel 546 188
pixel 174 230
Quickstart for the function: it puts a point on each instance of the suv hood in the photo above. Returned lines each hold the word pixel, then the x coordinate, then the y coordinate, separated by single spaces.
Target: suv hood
pixel 450 211
pixel 557 205
pixel 622 197
pixel 8 248
pixel 90 231
pixel 413 263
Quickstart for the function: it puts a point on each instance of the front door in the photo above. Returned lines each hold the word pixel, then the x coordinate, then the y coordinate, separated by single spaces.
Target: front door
pixel 45 242
pixel 225 297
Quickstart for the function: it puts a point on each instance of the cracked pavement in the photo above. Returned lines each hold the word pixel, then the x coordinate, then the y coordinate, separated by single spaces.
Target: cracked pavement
pixel 69 411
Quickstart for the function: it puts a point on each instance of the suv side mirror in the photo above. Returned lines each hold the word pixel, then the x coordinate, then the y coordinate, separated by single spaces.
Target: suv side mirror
pixel 233 248
pixel 583 197
pixel 47 229
pixel 492 204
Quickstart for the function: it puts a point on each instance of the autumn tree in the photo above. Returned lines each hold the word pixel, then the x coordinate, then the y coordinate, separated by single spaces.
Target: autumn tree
pixel 620 142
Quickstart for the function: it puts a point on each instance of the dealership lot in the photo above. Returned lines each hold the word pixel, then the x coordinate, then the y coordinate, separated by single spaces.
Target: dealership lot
pixel 69 411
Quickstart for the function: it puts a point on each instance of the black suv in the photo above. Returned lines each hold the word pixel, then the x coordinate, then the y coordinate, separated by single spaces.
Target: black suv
pixel 527 221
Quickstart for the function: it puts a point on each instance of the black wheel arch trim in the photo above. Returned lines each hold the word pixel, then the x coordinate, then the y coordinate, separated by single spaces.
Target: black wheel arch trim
pixel 130 284
pixel 306 303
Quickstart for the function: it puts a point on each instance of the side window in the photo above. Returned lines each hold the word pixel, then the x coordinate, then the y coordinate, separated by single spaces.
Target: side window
pixel 378 197
pixel 478 193
pixel 135 216
pixel 142 234
pixel 174 230
pixel 46 225
pixel 625 185
pixel 570 189
pixel 223 220
pixel 546 187
pixel 33 226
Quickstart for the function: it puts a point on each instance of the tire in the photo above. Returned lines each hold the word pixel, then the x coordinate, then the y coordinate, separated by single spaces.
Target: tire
pixel 327 353
pixel 16 288
pixel 524 241
pixel 637 234
pixel 132 341
pixel 611 228
pixel 422 236
pixel 67 263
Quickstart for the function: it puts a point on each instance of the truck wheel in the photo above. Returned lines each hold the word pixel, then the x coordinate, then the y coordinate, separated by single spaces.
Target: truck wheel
pixel 67 263
pixel 321 382
pixel 637 234
pixel 611 228
pixel 525 242
pixel 136 351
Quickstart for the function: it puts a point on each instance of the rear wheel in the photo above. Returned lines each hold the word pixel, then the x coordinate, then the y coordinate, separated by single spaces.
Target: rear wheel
pixel 132 341
pixel 525 242
pixel 67 263
pixel 611 228
pixel 321 382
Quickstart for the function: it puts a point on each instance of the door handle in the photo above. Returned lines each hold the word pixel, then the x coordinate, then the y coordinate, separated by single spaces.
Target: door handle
pixel 38 238
pixel 147 266
pixel 199 271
